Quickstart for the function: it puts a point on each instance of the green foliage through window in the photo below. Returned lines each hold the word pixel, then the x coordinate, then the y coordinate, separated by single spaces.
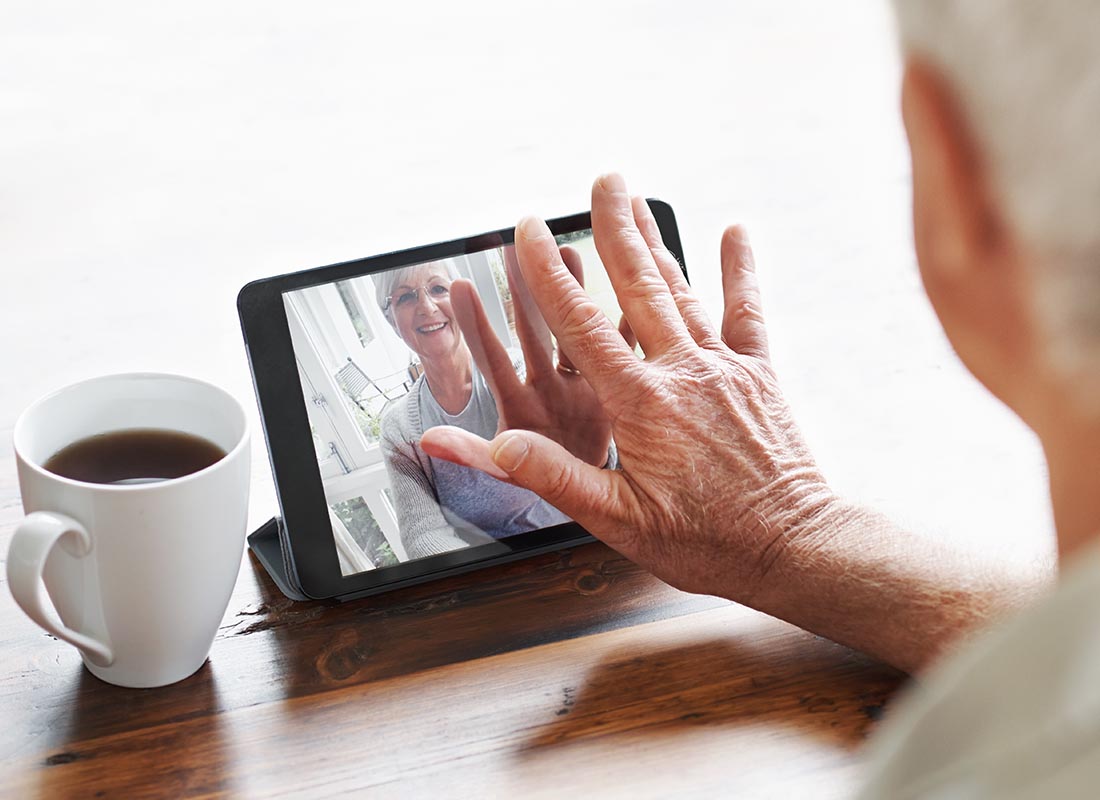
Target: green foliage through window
pixel 356 516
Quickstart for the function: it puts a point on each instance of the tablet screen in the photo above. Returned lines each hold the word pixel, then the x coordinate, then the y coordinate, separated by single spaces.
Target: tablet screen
pixel 381 359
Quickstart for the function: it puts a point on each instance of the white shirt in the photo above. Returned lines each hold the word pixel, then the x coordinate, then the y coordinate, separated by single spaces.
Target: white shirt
pixel 1016 715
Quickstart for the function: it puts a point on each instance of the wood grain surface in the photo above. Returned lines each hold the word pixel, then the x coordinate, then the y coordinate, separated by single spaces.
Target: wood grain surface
pixel 538 678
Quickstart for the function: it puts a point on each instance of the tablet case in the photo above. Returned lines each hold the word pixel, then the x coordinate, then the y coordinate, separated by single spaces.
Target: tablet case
pixel 265 545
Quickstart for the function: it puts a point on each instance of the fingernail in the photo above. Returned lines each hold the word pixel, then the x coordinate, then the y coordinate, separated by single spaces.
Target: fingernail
pixel 509 454
pixel 738 233
pixel 532 228
pixel 612 183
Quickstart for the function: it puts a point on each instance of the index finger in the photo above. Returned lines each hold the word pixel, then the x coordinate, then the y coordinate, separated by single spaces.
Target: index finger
pixel 534 336
pixel 583 330
pixel 573 263
pixel 485 347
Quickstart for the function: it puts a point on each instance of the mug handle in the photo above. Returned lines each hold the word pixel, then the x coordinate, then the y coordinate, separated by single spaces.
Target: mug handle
pixel 31 545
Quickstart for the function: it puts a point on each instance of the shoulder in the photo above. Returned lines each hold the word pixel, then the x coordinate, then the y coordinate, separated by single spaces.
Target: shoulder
pixel 400 419
pixel 1002 716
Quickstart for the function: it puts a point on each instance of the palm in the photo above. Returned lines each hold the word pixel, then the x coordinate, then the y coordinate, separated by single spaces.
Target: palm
pixel 561 407
pixel 551 399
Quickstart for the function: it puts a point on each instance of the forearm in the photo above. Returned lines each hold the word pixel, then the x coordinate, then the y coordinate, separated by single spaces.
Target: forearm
pixel 855 577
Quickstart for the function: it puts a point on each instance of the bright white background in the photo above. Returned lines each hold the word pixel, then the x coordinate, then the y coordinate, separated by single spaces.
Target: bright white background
pixel 155 157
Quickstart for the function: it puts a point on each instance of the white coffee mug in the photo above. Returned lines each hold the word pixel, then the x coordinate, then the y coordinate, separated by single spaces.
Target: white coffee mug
pixel 140 574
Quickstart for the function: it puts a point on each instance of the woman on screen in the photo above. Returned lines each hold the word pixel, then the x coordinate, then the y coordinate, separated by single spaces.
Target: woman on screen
pixel 442 506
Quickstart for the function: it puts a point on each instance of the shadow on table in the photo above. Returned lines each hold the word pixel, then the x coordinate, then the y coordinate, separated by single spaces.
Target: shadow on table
pixel 100 752
pixel 793 680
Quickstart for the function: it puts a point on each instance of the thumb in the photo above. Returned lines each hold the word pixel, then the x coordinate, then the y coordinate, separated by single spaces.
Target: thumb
pixel 592 496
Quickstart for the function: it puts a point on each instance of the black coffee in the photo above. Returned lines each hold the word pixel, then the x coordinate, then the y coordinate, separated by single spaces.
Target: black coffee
pixel 137 455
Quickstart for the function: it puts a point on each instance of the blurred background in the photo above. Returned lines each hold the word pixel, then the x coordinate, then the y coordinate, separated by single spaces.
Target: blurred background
pixel 155 157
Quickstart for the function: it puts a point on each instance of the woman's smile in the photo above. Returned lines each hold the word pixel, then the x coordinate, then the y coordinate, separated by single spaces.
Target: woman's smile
pixel 432 327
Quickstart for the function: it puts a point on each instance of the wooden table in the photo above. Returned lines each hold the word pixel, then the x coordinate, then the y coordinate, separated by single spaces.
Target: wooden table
pixel 544 678
pixel 157 157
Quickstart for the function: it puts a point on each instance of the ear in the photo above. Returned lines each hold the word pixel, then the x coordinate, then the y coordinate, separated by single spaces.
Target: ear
pixel 955 225
pixel 968 258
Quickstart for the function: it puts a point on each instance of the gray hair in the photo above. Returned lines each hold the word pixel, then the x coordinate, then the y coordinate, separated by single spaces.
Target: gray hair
pixel 384 283
pixel 1028 75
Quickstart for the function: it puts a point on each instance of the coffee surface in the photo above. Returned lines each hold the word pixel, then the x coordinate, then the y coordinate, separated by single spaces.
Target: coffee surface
pixel 137 455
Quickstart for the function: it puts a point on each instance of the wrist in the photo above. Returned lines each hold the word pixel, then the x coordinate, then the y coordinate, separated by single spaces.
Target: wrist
pixel 811 516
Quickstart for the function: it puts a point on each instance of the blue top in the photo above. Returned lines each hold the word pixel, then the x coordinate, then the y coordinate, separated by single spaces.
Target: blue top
pixel 468 497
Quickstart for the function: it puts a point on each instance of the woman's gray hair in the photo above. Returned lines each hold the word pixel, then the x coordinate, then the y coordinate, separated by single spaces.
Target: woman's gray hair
pixel 384 283
pixel 1027 73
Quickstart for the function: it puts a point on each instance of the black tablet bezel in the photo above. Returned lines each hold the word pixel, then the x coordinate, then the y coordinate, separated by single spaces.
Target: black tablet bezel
pixel 311 559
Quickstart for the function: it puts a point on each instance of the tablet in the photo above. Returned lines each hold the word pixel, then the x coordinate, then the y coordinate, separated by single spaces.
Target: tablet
pixel 347 362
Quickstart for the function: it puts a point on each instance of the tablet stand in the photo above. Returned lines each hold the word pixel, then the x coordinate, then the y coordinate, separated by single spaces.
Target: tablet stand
pixel 265 545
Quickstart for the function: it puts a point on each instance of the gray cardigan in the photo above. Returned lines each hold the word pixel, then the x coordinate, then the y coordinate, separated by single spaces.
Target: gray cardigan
pixel 424 529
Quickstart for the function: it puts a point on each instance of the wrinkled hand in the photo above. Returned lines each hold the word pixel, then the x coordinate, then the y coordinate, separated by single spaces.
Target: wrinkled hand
pixel 715 480
pixel 552 400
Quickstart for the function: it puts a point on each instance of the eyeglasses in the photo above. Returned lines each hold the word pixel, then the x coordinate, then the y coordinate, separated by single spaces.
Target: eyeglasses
pixel 409 297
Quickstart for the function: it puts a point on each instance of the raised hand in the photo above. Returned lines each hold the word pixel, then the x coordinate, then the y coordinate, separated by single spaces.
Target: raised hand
pixel 715 479
pixel 717 492
pixel 553 400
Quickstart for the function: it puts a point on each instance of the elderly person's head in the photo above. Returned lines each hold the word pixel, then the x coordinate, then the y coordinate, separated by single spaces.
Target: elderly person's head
pixel 1001 100
pixel 417 302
